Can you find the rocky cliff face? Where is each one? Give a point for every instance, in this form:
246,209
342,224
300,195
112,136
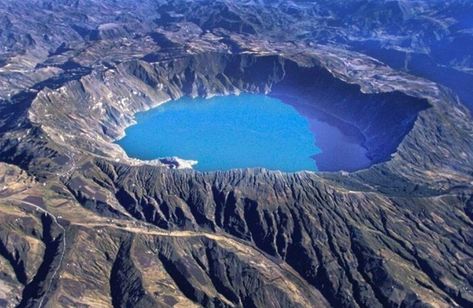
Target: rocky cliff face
84,225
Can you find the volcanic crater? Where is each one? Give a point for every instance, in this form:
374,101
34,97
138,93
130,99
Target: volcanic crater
245,236
377,121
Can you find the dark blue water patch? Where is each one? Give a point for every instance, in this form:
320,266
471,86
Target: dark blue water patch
246,131
340,142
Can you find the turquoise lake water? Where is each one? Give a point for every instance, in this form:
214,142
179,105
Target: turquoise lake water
226,132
